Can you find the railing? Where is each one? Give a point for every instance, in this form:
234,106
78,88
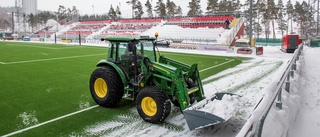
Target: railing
234,32
254,125
237,28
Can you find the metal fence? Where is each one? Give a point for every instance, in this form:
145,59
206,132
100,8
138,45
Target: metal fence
254,125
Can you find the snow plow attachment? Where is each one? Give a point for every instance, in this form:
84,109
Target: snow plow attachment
201,115
198,119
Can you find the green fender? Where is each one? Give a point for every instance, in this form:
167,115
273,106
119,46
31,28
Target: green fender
120,72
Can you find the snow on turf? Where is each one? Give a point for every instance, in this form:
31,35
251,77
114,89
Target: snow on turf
100,128
84,104
236,79
28,118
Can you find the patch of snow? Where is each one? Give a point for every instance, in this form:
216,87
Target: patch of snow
28,119
225,108
100,128
84,104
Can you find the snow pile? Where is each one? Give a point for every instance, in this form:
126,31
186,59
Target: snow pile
225,108
278,121
283,118
307,122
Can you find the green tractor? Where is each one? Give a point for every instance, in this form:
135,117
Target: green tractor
133,71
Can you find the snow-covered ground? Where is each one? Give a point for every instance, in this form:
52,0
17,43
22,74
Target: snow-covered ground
307,121
252,80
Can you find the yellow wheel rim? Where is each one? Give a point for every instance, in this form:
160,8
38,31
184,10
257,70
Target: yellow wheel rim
100,87
149,106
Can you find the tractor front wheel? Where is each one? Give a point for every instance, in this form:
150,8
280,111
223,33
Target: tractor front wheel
153,105
106,87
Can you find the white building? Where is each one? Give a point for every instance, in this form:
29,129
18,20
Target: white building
29,6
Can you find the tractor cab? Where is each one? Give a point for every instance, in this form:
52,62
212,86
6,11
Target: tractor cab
124,48
127,54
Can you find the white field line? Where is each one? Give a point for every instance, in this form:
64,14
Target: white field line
216,65
49,47
2,63
39,60
49,121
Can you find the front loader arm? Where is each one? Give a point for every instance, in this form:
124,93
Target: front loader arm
188,72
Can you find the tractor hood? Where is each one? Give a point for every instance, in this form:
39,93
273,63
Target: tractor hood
165,69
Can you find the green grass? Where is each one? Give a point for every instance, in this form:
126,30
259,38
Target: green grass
45,81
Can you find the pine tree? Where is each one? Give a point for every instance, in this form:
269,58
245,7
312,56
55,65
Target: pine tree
211,6
112,13
290,12
237,5
247,15
301,13
195,8
260,6
229,6
163,12
223,6
160,9
118,12
282,25
266,17
178,11
133,4
149,8
32,20
171,8
272,14
139,12
44,16
62,13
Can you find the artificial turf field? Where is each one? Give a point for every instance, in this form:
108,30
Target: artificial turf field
41,82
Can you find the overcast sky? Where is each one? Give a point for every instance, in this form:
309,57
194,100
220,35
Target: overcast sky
101,6
91,6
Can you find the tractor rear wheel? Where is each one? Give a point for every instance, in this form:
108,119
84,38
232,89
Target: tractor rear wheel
153,105
106,87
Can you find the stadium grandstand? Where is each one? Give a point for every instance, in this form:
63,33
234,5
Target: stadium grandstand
82,29
129,27
206,29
